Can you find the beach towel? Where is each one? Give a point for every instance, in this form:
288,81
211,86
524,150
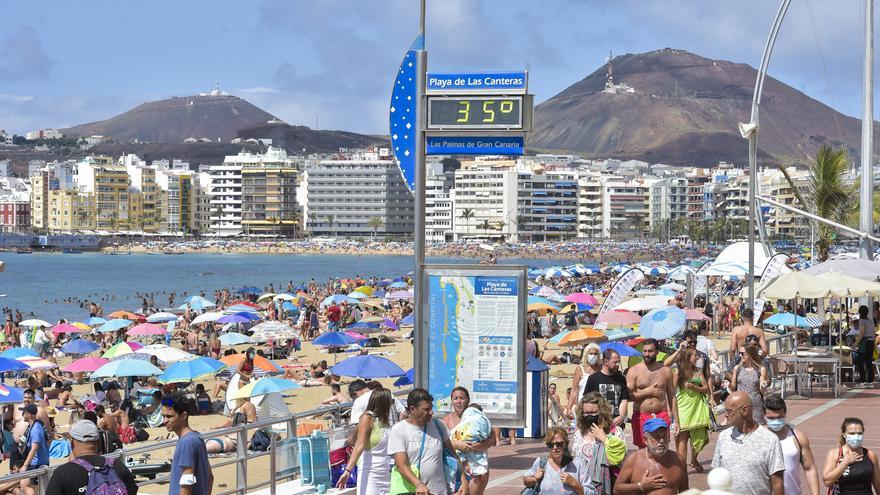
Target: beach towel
59,449
474,427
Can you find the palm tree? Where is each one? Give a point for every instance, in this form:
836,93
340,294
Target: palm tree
274,221
484,226
374,223
217,211
331,220
828,194
467,214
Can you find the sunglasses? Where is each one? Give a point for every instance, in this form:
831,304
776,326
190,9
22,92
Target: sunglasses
556,445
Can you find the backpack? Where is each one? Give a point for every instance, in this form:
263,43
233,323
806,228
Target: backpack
103,480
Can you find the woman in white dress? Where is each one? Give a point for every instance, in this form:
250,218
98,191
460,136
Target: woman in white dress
581,373
374,469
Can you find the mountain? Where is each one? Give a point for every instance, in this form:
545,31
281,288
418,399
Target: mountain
208,116
295,139
683,109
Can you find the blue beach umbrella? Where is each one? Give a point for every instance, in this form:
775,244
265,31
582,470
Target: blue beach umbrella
535,364
334,339
388,323
114,325
792,320
250,290
408,320
233,318
126,367
338,298
622,349
242,308
289,306
265,386
79,346
363,327
663,323
398,285
11,395
234,338
620,333
367,367
407,379
187,371
94,320
17,352
559,336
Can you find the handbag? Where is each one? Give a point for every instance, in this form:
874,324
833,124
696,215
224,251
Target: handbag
260,442
399,484
535,490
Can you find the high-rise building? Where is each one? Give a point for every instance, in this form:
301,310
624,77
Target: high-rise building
547,204
485,199
669,203
626,209
439,220
591,191
177,211
108,183
268,201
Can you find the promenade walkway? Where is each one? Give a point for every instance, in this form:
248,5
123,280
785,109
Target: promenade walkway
820,417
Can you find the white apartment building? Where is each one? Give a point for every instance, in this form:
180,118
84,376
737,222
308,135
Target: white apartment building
439,219
485,200
669,202
626,209
591,191
547,204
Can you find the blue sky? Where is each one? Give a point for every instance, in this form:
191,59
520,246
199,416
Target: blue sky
332,61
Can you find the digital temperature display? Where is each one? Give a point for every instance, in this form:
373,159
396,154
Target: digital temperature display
475,112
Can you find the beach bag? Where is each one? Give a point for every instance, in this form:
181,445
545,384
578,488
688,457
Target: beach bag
535,490
399,484
141,434
126,435
103,480
260,442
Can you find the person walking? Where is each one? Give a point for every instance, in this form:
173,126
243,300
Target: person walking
750,376
750,452
371,441
597,443
582,374
72,478
37,442
852,469
795,448
655,468
612,385
653,391
418,441
190,470
692,390
558,473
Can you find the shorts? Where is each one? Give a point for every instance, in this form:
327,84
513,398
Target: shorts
639,419
34,481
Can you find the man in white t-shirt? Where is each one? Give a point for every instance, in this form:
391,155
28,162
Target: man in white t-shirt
39,340
361,398
419,440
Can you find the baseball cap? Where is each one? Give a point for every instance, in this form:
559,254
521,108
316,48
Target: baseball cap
30,408
654,424
84,431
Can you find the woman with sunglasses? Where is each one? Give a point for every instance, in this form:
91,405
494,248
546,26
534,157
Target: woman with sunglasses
750,376
852,469
558,473
372,441
597,443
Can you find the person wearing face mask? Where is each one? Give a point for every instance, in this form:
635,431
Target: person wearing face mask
749,451
852,469
581,374
597,443
655,469
795,448
612,385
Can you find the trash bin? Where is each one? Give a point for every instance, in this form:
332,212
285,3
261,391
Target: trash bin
537,381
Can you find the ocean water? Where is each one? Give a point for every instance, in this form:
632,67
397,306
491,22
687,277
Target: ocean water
52,285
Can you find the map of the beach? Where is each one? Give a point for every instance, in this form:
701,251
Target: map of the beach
473,340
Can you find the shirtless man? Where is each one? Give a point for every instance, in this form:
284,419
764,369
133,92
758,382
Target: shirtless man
739,334
655,469
106,421
652,390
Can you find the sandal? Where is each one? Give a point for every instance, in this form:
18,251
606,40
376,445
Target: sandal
698,468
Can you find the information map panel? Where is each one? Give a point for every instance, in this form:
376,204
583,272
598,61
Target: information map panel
474,319
475,112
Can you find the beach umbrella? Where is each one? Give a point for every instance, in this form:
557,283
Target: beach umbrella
265,386
407,379
622,349
17,352
695,315
582,335
358,295
33,323
673,286
388,323
120,349
663,323
162,317
367,367
145,329
580,297
36,362
542,308
644,303
197,305
364,327
79,346
333,339
207,317
272,330
557,272
167,354
337,299
260,363
82,326
364,289
398,285
187,371
249,304
576,307
114,325
85,365
126,367
655,271
266,297
11,395
619,317
125,314
559,336
248,315
250,290
355,335
620,333
289,306
243,308
195,299
9,364
408,320
400,295
233,318
94,321
234,338
284,297
792,320
545,292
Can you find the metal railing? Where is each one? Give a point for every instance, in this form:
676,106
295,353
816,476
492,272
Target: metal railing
242,484
778,344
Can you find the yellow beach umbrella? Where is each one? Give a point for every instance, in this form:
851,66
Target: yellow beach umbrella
81,326
582,335
542,308
365,290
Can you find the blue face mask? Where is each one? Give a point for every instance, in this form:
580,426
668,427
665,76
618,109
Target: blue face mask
775,424
854,440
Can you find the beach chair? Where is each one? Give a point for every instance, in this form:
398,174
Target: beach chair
780,372
153,420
